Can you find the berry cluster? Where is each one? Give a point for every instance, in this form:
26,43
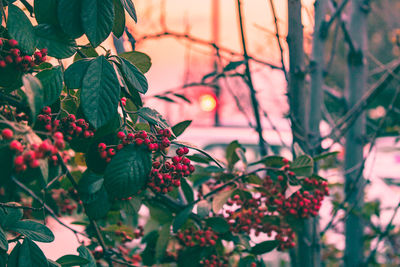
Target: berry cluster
164,177
30,155
304,203
70,126
215,261
138,233
155,143
11,55
193,237
249,215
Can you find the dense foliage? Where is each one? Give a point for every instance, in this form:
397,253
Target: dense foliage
78,141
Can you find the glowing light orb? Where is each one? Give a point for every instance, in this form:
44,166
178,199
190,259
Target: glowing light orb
208,102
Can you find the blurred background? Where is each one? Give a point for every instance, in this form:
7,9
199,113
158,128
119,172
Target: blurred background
199,73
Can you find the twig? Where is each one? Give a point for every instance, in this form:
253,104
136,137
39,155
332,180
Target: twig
278,39
5,205
326,25
249,81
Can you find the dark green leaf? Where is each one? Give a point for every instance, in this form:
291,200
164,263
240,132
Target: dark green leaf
298,151
53,263
69,16
31,255
14,256
160,213
139,59
33,230
198,158
93,195
46,11
153,117
162,241
270,161
85,253
246,261
230,153
187,190
87,51
71,260
3,240
52,83
130,8
181,218
97,19
58,45
221,198
302,165
134,79
20,28
119,19
75,73
9,216
218,224
179,128
127,172
34,93
264,247
100,92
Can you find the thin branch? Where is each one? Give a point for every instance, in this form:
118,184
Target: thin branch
326,25
278,39
5,205
250,84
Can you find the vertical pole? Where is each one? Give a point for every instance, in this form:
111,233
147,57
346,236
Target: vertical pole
215,39
356,85
315,114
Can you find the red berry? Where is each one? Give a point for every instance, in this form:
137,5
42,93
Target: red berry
9,59
120,146
121,135
58,135
111,152
18,60
46,110
16,145
2,64
7,134
43,51
102,146
12,42
38,54
34,164
19,160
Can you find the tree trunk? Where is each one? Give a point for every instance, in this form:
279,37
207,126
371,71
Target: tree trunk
356,85
298,115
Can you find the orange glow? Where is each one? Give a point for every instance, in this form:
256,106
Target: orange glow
208,102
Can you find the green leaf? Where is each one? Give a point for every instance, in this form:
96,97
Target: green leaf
20,28
203,208
325,155
264,247
231,155
139,59
187,190
85,253
93,195
9,216
198,158
153,117
69,16
218,224
246,261
14,256
179,128
31,255
53,263
97,19
52,83
33,230
221,198
75,73
181,218
160,213
302,165
34,93
71,260
134,79
58,45
100,92
3,240
130,8
270,161
46,11
87,51
128,171
119,19
162,241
